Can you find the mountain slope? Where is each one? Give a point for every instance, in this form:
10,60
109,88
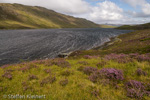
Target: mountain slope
135,27
17,16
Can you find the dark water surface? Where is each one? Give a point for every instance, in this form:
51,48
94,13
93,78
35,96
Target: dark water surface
16,45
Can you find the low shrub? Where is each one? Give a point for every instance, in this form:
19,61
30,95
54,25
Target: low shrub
48,80
140,72
7,75
63,82
89,70
32,77
107,73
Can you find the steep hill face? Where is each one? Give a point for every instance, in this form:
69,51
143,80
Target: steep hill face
136,27
17,16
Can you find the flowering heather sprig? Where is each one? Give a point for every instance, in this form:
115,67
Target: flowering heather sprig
27,67
61,63
101,64
5,66
135,89
48,62
10,70
89,70
38,61
143,58
135,84
89,57
48,80
107,73
7,75
24,69
26,86
120,58
32,77
63,82
133,55
47,70
113,56
95,92
94,77
111,73
140,72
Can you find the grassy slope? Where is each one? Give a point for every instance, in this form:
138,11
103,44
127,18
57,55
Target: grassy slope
135,27
16,16
72,83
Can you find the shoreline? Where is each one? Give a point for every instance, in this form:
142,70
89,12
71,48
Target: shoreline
106,44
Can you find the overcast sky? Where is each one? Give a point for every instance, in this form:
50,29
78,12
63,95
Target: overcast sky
98,11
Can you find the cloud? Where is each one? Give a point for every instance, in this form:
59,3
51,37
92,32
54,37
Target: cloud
63,6
135,3
106,11
145,7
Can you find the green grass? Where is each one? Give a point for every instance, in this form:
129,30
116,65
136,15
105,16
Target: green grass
79,87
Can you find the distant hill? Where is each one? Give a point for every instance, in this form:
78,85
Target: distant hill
107,26
135,27
17,16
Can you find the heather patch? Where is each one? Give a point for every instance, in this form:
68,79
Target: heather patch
95,92
32,77
63,82
89,70
135,89
48,80
27,67
24,69
112,74
125,58
143,58
38,62
107,73
7,75
26,86
120,58
113,56
90,57
48,71
5,66
61,63
140,72
101,64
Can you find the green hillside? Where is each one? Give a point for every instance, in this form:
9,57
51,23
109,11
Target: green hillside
135,27
17,16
